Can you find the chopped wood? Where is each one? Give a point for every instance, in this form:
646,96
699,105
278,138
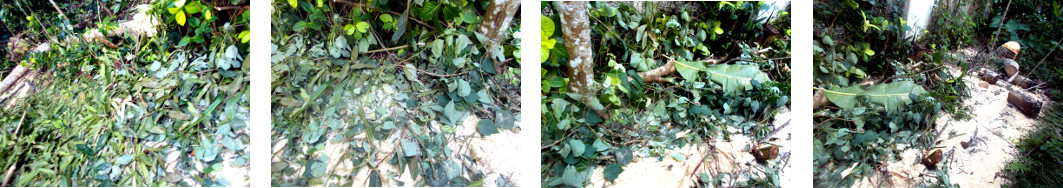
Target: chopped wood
1024,82
1024,102
1010,67
989,75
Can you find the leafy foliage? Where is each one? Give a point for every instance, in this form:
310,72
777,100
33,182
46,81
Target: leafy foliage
353,105
643,118
1040,153
883,97
108,117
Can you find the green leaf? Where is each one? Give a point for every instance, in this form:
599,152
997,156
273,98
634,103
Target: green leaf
689,69
599,146
374,179
736,78
463,88
486,127
299,26
410,148
894,96
400,26
350,28
123,160
505,119
386,18
437,48
612,171
450,112
294,3
429,11
570,177
624,155
245,36
547,26
318,169
180,17
577,146
363,27
827,40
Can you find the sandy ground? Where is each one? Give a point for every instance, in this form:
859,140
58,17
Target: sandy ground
728,157
976,150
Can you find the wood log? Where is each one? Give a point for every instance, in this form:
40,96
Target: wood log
1010,67
1024,82
989,75
1024,102
1009,50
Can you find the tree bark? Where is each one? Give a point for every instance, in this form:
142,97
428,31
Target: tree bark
496,20
575,27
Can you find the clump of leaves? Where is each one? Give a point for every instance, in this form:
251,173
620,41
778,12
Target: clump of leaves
142,114
863,123
1040,153
391,85
715,100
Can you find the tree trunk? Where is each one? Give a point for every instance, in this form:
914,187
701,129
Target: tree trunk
575,26
496,20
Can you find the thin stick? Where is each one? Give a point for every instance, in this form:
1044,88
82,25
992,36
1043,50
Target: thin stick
387,49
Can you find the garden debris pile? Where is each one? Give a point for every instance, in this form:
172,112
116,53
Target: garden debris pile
395,94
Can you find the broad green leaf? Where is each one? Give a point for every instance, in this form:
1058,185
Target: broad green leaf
577,146
350,28
463,88
486,127
294,3
374,179
386,18
180,17
437,48
624,155
123,160
599,146
299,26
429,11
410,148
894,96
450,112
547,26
736,78
400,26
505,119
612,171
689,69
570,177
363,27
